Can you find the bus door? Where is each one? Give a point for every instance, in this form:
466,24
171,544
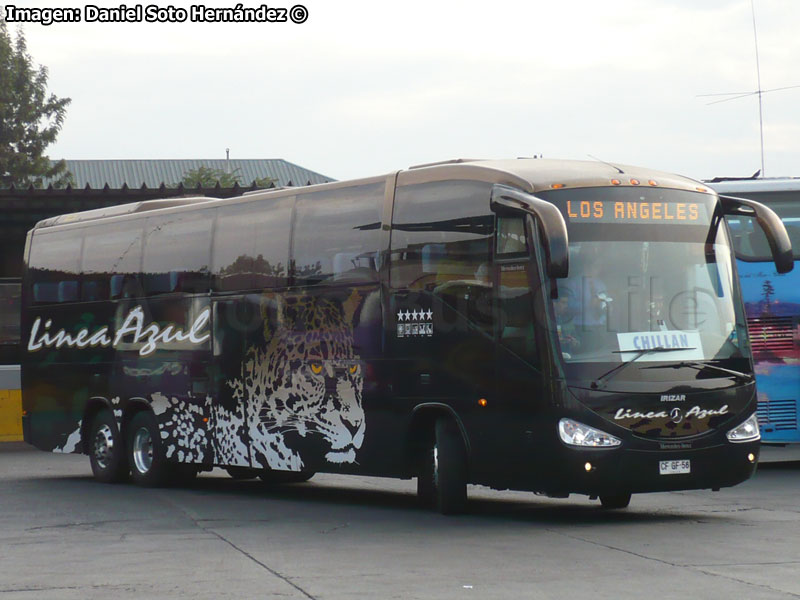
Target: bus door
519,383
439,319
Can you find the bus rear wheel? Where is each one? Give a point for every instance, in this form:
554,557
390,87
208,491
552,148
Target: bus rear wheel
449,468
615,501
106,451
242,473
149,467
278,477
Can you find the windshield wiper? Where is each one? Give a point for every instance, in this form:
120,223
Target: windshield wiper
700,366
608,375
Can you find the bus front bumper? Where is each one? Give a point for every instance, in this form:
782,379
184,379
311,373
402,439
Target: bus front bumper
598,472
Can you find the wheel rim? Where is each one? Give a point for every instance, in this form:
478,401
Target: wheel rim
103,446
142,450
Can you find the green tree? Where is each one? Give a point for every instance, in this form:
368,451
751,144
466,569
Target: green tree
30,119
206,177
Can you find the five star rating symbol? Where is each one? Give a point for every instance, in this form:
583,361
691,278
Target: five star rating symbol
415,323
415,315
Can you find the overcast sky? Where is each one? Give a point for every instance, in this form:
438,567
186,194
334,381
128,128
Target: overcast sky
368,87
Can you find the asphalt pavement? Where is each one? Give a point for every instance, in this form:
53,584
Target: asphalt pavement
63,535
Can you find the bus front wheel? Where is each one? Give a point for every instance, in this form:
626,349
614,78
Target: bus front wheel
449,468
106,451
146,456
615,501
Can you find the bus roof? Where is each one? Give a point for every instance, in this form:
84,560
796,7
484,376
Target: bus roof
539,174
768,184
116,211
528,174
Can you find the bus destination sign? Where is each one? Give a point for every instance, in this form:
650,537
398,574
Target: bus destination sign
618,211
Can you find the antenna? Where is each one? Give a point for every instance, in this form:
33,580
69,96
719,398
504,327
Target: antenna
758,92
620,171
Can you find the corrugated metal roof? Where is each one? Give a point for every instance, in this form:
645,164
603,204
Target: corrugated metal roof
152,173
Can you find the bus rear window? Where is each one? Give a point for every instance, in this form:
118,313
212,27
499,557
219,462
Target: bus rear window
55,264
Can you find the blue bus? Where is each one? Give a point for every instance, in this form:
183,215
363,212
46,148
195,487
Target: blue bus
772,303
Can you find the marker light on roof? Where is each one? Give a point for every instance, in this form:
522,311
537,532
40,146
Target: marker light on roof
557,186
653,182
634,182
615,182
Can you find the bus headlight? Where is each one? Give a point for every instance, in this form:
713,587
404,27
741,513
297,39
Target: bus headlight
746,432
578,434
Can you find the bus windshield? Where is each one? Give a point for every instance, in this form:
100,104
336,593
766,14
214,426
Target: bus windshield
749,240
649,269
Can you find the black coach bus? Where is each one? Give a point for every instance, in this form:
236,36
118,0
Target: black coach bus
554,326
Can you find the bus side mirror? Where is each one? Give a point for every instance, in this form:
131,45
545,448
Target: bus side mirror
771,224
508,200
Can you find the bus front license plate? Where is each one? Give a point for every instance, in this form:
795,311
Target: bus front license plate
674,467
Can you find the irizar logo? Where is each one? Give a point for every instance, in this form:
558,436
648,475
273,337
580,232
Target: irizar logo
694,412
673,397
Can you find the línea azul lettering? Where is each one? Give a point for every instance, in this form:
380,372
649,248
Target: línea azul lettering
133,331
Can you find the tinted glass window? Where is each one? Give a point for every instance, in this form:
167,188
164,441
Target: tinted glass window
177,252
54,262
273,230
441,232
112,259
9,313
251,245
515,310
749,240
337,235
511,235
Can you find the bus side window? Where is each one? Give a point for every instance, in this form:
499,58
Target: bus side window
234,248
511,237
441,235
273,232
177,253
251,245
112,259
517,324
55,266
337,235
